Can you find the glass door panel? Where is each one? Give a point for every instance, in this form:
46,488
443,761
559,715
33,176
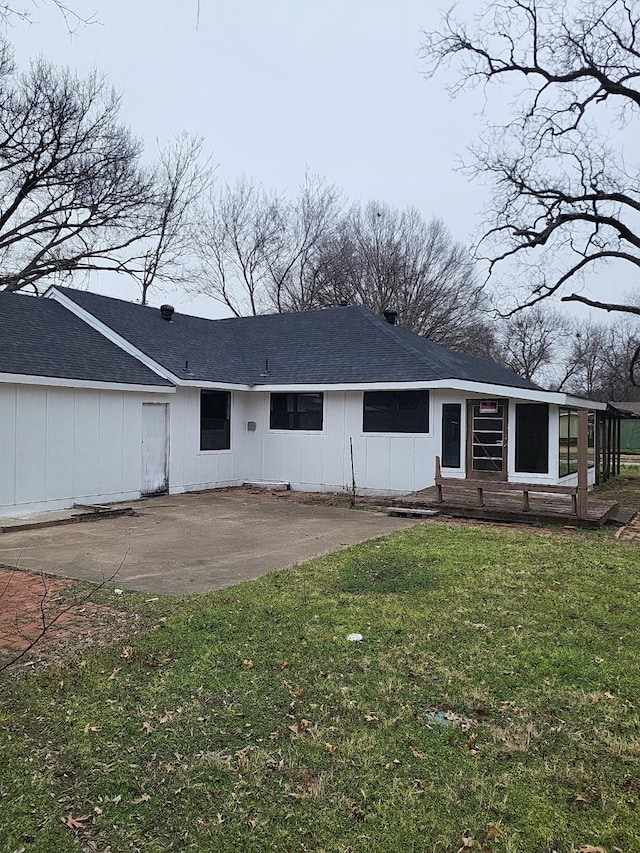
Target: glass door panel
487,437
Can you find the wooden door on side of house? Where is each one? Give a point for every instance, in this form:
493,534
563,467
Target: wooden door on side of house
487,439
155,449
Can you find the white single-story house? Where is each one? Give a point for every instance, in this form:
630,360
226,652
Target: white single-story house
102,400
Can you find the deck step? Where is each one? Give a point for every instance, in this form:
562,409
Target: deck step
411,512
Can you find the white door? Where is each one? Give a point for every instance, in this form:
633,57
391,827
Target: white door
155,474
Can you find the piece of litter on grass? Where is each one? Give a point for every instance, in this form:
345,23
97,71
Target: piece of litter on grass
149,600
354,638
118,591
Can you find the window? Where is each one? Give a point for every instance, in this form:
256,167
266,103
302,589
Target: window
451,420
568,442
568,449
296,411
591,440
396,411
215,421
532,438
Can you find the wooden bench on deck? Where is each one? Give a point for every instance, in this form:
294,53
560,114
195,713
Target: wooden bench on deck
495,486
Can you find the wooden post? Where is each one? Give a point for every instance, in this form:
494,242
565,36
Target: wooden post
438,477
583,432
598,446
618,443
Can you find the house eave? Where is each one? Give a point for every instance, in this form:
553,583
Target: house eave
90,384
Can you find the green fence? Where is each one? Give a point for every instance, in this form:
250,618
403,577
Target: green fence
630,436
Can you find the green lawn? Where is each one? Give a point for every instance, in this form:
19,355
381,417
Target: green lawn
492,705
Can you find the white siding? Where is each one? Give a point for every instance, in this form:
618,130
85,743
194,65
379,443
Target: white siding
309,460
190,468
61,446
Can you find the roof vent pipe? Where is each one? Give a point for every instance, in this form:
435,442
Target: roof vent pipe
167,312
390,315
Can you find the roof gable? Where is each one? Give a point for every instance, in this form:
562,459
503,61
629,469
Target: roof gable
39,337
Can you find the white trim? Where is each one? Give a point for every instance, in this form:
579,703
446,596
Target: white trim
55,381
110,335
205,385
478,388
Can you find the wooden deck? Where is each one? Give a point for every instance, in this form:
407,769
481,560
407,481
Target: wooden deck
544,508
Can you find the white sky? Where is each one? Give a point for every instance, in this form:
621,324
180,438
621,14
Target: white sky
278,87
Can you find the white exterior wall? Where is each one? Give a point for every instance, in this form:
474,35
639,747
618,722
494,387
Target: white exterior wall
190,468
62,446
320,460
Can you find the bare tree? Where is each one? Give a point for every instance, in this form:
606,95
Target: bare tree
256,248
566,191
310,221
11,12
181,178
532,341
75,196
383,258
596,362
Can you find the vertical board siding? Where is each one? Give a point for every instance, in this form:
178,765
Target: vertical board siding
31,444
7,444
60,443
63,445
322,460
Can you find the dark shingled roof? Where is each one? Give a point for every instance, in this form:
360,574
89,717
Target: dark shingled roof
323,347
39,337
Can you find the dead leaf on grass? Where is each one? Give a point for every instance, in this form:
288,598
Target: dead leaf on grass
589,848
493,832
143,798
89,728
417,753
466,843
371,718
75,822
147,727
300,727
247,663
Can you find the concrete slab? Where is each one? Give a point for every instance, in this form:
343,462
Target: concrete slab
194,543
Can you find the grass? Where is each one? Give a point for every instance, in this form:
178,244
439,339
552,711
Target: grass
625,488
491,706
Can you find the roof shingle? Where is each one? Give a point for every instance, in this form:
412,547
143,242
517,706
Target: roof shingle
322,347
39,337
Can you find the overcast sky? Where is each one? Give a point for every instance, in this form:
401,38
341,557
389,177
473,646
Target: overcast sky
278,87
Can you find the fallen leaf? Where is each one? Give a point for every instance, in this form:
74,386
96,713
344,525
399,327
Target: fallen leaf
371,718
126,653
471,743
75,822
467,843
300,727
147,727
493,832
589,848
417,753
89,728
97,810
164,718
285,664
247,663
331,748
143,798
